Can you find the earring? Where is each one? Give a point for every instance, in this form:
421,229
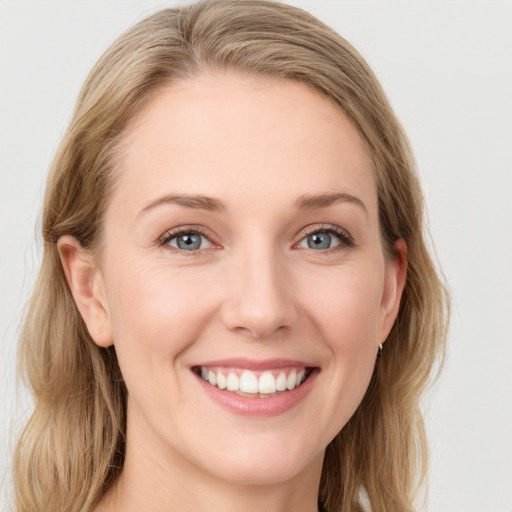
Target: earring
379,351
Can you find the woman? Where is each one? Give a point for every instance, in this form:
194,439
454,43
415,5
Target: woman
236,309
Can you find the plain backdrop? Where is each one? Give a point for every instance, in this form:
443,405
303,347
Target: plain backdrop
447,68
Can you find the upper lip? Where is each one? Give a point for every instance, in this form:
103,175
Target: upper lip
255,364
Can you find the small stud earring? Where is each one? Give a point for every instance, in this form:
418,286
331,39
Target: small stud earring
379,351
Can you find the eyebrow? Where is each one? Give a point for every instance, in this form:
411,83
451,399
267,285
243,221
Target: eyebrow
199,202
318,201
304,202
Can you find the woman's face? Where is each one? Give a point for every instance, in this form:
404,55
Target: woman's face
241,245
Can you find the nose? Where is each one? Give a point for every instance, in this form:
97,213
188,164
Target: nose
259,299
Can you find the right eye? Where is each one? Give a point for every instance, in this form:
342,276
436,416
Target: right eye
187,241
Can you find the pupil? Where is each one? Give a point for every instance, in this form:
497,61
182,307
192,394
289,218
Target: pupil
319,241
190,242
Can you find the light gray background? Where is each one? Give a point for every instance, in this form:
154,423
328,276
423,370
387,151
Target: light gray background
447,68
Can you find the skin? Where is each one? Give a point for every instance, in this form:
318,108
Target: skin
255,289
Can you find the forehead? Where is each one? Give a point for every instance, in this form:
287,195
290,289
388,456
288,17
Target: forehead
241,138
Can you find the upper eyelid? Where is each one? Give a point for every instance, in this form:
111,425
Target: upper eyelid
324,227
174,232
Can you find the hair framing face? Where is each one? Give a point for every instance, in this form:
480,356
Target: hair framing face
71,451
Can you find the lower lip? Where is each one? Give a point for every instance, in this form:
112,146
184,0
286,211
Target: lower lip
262,407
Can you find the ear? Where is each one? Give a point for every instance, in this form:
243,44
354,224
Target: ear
86,285
396,273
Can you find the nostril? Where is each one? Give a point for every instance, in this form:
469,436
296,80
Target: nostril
261,331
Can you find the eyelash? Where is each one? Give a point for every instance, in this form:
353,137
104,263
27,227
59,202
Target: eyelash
346,241
186,230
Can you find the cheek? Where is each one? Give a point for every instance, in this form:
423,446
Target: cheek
346,306
155,312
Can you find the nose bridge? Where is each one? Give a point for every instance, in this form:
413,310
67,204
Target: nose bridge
258,301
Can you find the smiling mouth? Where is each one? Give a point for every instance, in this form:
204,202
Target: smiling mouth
254,384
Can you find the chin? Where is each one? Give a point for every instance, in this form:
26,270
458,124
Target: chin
263,460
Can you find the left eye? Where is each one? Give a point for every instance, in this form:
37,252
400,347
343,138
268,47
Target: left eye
320,240
189,241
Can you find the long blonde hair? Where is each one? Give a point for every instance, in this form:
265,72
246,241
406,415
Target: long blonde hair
72,448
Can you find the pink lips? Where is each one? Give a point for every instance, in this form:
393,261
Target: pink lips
256,406
251,364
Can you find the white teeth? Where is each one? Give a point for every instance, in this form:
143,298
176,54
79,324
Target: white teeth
248,382
291,381
267,384
221,381
281,382
233,383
